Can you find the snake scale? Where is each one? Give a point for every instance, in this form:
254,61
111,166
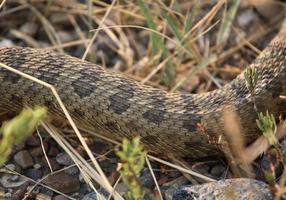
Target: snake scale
118,107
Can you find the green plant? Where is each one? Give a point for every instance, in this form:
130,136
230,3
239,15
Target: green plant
251,78
224,30
19,128
158,46
132,158
267,124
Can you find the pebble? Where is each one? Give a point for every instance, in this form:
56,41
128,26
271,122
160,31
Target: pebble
169,188
6,43
74,171
55,166
33,141
64,159
53,151
34,174
41,196
246,17
23,159
121,188
218,170
63,182
37,151
11,167
241,188
60,197
202,168
146,180
90,196
10,181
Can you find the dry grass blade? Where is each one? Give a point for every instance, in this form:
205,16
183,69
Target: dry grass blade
44,151
96,32
234,149
86,169
151,30
182,169
28,39
55,40
154,177
227,22
2,3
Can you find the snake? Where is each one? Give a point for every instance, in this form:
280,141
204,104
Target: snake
117,107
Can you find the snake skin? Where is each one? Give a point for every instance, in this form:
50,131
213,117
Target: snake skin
117,107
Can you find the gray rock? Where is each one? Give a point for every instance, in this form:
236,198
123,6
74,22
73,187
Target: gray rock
146,180
33,141
218,170
74,171
64,159
245,18
168,189
121,188
24,159
62,182
11,167
241,188
90,196
9,181
34,174
60,197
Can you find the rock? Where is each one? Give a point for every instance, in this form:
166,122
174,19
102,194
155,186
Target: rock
60,197
37,151
90,196
63,182
74,171
9,181
33,141
64,159
55,166
6,43
34,174
218,170
146,180
246,17
241,188
37,166
169,188
11,167
41,196
53,151
24,159
47,191
121,188
202,168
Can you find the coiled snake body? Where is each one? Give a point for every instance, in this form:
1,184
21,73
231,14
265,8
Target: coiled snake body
118,107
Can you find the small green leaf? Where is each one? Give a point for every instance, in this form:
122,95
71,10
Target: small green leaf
132,158
267,124
18,129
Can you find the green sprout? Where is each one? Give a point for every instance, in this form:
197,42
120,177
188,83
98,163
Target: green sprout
251,78
132,163
19,128
267,124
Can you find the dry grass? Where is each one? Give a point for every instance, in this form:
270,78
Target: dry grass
193,52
